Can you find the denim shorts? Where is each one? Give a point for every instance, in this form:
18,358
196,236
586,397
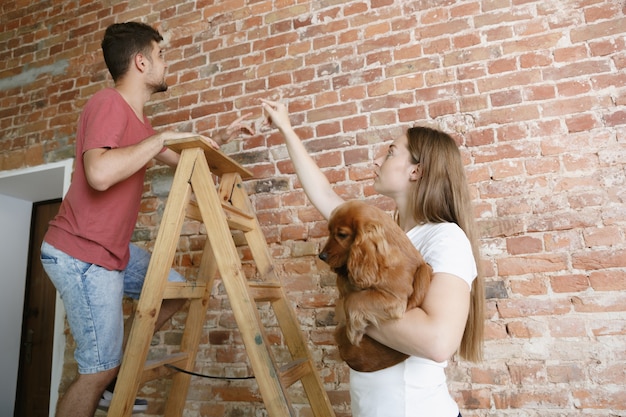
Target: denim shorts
93,297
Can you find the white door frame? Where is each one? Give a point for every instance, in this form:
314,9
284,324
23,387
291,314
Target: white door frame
19,189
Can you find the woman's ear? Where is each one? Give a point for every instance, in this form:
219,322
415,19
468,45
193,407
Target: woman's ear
416,172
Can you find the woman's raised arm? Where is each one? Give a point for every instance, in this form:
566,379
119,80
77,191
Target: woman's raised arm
314,182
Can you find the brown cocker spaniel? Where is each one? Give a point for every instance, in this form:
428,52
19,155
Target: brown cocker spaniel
380,275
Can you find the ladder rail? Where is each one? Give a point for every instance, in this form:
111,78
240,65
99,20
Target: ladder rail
191,338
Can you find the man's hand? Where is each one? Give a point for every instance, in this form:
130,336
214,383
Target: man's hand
171,158
235,129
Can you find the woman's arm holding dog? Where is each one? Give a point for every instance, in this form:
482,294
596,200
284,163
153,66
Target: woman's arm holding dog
314,182
433,330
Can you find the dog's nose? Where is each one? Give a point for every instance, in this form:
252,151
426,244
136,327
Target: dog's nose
323,256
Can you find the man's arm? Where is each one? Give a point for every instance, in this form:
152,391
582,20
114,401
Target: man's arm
105,167
168,157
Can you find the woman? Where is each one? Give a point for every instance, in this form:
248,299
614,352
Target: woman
423,173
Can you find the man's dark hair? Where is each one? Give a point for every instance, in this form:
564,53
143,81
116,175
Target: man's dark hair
122,41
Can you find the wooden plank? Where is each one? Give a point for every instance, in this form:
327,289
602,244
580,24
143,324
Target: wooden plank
219,162
237,220
190,290
155,369
294,371
263,292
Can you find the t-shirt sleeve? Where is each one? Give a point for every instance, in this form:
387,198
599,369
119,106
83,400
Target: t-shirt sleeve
447,249
104,124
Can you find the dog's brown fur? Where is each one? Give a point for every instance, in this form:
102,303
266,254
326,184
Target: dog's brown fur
380,275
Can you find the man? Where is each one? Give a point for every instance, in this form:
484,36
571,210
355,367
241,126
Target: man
86,251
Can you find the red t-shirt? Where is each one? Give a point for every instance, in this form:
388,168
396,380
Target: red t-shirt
96,226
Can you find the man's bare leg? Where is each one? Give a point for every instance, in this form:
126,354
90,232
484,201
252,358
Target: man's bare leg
81,398
168,308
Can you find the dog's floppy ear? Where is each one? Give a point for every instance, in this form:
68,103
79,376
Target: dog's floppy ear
367,254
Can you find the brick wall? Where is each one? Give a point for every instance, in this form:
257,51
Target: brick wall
534,91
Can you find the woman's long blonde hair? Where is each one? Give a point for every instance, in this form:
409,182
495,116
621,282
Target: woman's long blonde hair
442,195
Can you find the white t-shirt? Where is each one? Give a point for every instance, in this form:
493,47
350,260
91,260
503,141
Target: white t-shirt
417,387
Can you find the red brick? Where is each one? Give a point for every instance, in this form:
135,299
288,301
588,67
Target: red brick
604,47
569,283
502,65
528,287
527,329
326,129
601,259
582,123
603,302
532,307
608,280
524,244
495,331
600,398
332,112
616,118
534,59
531,399
567,327
598,30
490,375
565,373
523,374
475,399
571,54
296,232
605,236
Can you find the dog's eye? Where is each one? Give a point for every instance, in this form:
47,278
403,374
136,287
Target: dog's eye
342,235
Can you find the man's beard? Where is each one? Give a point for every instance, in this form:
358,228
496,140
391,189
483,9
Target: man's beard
159,88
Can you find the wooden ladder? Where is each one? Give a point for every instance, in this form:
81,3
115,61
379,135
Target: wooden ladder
221,209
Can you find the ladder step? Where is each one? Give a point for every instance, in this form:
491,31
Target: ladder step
155,369
265,291
190,289
220,163
294,371
236,218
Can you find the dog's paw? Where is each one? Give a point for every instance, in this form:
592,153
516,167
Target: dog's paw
354,337
355,333
394,310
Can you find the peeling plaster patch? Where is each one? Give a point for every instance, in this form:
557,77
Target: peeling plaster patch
28,75
459,123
